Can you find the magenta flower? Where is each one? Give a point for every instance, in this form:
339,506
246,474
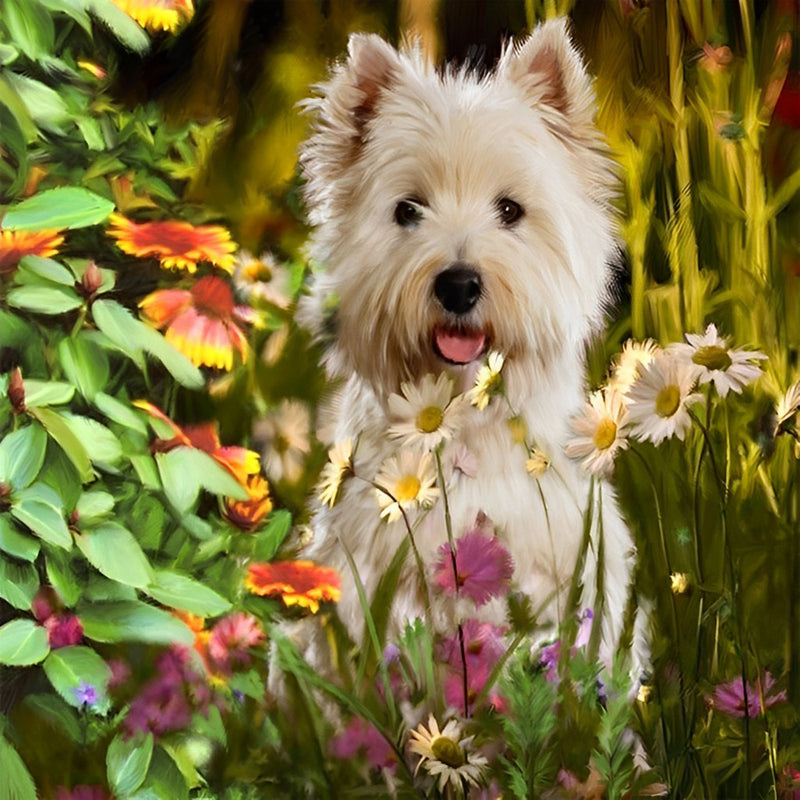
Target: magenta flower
729,698
483,568
231,640
362,738
81,792
63,630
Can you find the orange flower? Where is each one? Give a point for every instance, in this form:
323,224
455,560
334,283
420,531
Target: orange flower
299,583
158,15
239,461
246,514
16,244
200,321
178,245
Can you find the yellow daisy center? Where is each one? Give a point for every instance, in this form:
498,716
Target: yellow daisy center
447,751
605,433
667,401
257,271
429,419
280,444
712,357
407,488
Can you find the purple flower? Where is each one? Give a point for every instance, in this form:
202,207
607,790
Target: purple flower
549,660
483,645
362,738
729,698
483,568
85,693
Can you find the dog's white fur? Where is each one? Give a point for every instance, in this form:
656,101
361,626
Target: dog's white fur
388,126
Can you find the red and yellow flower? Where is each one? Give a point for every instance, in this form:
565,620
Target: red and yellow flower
247,514
201,321
176,244
16,244
239,461
158,15
297,583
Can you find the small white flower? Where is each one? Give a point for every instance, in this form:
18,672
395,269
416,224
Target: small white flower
284,438
427,414
714,362
600,435
488,381
262,279
788,405
339,467
657,402
406,480
633,356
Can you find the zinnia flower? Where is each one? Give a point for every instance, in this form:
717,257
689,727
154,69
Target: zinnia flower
446,755
599,431
16,244
177,245
200,322
729,698
483,568
714,362
247,514
239,461
298,583
262,279
633,356
284,439
339,466
488,381
158,15
425,415
406,481
231,639
363,738
657,402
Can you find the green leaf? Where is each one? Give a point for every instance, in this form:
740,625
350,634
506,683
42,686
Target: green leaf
114,551
45,269
17,783
47,393
62,577
128,32
119,412
22,643
22,455
45,106
44,299
61,432
18,583
93,506
102,447
17,544
164,780
9,97
127,762
70,668
186,470
59,208
55,712
271,537
132,336
132,621
30,27
39,508
180,591
85,364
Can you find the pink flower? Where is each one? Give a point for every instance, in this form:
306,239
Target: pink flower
362,738
483,568
81,792
231,639
63,630
729,698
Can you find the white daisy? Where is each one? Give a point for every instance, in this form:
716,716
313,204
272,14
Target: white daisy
626,365
427,414
446,755
339,467
788,405
599,431
262,279
714,362
488,381
657,402
406,480
284,439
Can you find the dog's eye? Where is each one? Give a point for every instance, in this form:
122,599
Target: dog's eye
407,213
509,211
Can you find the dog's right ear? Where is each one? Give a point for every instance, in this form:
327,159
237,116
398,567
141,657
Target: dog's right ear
343,109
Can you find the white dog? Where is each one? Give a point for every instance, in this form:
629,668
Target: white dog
456,215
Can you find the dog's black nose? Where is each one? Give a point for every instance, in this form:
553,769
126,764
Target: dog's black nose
458,288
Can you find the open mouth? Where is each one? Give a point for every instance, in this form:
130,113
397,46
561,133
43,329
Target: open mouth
459,345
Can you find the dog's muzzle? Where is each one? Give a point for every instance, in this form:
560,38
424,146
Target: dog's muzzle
458,288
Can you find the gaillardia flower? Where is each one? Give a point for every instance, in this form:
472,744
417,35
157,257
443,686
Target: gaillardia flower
176,244
158,15
201,321
297,583
16,244
247,514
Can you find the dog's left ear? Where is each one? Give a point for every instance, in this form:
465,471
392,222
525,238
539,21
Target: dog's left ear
550,72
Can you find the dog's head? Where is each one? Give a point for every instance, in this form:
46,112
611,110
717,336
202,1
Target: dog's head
456,213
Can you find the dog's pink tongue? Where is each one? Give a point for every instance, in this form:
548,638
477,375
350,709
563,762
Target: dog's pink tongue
460,347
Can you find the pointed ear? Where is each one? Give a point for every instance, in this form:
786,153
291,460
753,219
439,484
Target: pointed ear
372,65
549,71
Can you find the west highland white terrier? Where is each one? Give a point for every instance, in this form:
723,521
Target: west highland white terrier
459,217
